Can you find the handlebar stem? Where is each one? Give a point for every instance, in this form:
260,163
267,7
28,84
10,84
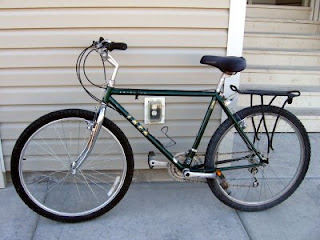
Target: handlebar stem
113,62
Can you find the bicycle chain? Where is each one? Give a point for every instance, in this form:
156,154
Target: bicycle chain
249,186
238,185
233,153
177,176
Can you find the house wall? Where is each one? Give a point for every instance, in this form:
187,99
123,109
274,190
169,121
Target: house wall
282,48
40,41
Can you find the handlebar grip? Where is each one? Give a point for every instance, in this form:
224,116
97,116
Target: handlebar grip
117,45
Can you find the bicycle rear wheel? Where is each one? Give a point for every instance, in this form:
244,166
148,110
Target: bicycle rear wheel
41,166
259,188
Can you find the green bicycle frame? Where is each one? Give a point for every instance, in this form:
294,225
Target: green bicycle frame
215,97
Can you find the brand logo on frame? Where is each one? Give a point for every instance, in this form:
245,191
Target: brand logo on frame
138,125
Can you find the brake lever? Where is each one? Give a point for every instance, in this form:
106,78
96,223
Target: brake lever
101,48
101,44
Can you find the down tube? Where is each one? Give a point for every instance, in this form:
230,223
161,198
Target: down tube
145,133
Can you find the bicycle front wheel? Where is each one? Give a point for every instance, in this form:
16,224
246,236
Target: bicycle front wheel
41,166
280,137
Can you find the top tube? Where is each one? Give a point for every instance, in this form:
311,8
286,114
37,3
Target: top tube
157,92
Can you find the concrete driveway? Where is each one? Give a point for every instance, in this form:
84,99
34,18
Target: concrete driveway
168,211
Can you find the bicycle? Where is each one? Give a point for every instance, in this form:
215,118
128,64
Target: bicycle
73,165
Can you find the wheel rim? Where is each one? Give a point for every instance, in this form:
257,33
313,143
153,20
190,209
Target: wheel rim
276,178
45,161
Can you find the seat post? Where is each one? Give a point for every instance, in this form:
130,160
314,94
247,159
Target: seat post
221,82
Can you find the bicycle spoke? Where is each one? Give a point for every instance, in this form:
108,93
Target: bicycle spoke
78,150
91,163
45,177
63,144
97,183
52,152
61,181
75,181
96,178
47,151
104,174
89,186
276,175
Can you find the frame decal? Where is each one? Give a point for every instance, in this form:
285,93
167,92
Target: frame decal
138,125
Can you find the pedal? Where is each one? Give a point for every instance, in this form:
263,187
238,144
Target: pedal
154,163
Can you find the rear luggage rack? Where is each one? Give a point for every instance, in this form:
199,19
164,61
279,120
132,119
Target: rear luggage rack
289,94
261,93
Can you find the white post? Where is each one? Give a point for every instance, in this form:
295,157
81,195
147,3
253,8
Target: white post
237,18
2,169
305,3
312,2
316,13
315,10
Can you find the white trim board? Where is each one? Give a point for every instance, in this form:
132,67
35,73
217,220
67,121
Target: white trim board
237,17
2,169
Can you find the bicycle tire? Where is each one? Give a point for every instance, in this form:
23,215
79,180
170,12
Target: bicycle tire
42,195
240,190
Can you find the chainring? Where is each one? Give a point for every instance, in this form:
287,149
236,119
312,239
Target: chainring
176,174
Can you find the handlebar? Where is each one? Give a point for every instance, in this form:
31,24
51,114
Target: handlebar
117,45
105,44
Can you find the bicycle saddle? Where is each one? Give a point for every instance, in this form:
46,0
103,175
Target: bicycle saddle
225,64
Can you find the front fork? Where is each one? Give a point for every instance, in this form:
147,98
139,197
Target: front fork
95,129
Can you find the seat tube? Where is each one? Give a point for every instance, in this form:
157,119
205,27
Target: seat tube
203,127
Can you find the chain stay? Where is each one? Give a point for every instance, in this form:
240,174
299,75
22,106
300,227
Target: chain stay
177,177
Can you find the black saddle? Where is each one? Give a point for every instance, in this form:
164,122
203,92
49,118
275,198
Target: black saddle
229,65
